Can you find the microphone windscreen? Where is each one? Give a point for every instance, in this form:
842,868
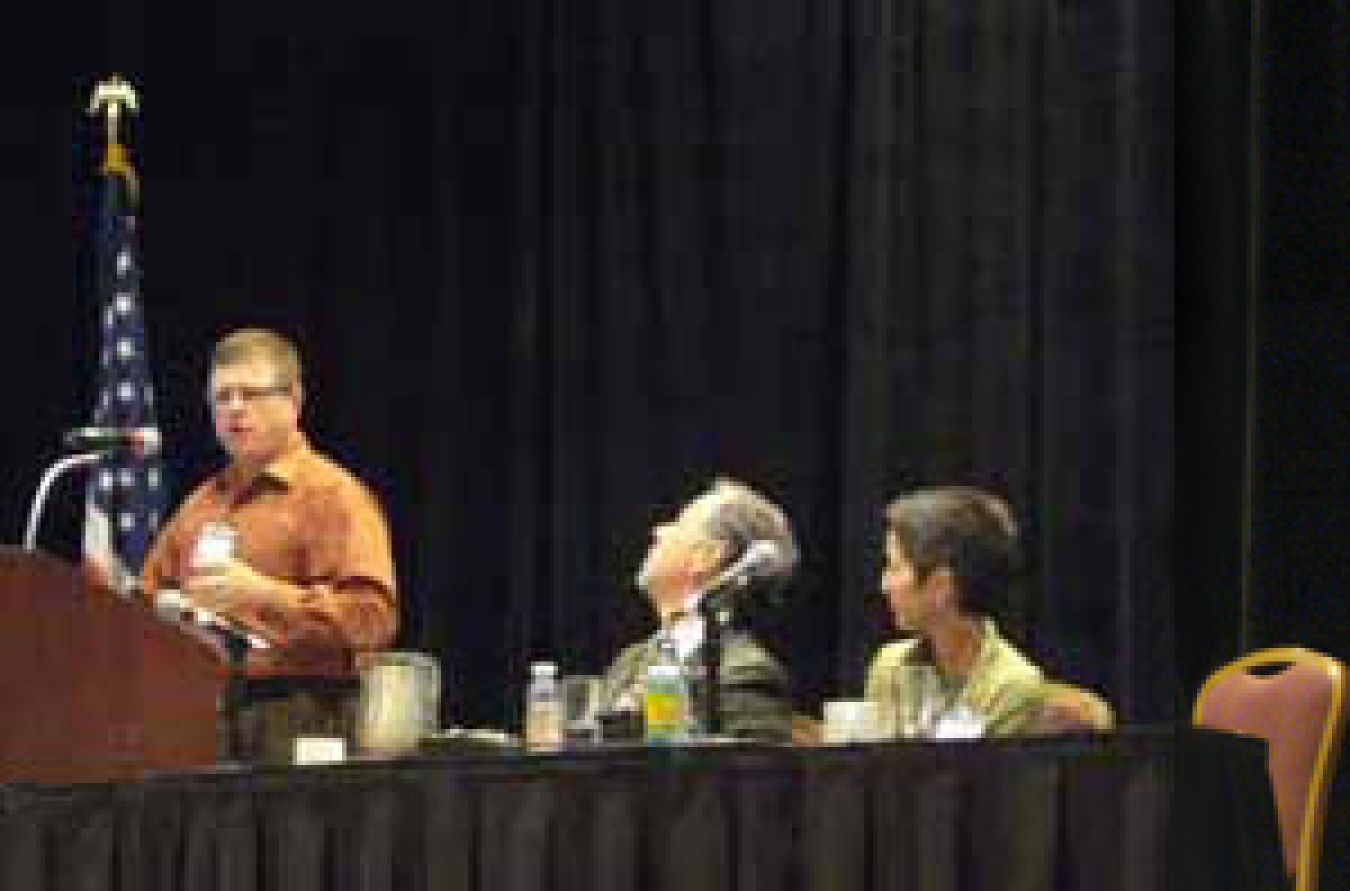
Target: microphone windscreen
145,442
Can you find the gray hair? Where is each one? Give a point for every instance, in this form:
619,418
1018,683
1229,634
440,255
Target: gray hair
743,516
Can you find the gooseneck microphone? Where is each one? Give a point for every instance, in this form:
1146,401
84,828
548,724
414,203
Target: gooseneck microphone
759,555
141,442
715,604
89,445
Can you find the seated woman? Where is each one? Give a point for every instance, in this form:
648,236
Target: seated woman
951,557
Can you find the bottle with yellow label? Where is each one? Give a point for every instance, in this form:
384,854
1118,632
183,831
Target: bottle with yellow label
665,703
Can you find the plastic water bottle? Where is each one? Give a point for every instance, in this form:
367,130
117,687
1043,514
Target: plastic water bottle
543,708
666,706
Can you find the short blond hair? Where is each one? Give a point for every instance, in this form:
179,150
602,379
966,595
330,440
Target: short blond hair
258,343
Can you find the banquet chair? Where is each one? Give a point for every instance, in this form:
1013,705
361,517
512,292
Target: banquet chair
1294,698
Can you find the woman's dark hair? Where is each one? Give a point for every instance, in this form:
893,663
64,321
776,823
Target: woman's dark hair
968,531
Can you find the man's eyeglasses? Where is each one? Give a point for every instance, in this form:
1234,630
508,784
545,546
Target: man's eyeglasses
244,395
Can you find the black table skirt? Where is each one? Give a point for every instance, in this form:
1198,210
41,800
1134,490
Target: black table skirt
1145,810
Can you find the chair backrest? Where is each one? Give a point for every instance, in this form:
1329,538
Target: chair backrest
1068,707
1294,698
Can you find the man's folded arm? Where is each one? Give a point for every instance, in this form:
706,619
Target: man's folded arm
356,613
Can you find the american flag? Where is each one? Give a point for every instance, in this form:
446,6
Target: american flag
125,498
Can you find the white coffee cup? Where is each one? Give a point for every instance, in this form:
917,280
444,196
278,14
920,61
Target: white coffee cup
851,721
320,749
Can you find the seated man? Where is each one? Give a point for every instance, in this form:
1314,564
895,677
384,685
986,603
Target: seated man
686,554
951,556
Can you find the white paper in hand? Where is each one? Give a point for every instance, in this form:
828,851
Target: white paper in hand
213,547
170,602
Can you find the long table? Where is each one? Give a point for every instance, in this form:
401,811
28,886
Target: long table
1143,809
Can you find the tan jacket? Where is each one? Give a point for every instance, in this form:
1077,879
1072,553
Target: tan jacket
1004,689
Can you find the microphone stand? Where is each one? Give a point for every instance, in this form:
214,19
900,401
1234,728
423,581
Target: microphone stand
235,695
49,477
715,608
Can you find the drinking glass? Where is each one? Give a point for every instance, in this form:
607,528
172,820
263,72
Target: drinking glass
580,694
921,705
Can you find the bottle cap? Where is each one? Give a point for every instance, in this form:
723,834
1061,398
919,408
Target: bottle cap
544,669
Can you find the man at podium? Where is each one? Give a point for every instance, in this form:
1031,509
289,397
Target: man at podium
283,556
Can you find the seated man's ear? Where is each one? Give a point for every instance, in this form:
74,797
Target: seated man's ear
708,558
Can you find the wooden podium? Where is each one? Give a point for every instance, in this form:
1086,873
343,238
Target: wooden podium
92,686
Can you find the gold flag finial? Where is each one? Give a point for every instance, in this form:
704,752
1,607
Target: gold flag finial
110,97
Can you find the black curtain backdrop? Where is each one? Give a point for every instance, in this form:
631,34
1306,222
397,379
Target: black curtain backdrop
1269,129
1301,486
555,264
1212,608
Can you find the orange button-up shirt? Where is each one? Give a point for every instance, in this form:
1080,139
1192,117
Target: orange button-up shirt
306,521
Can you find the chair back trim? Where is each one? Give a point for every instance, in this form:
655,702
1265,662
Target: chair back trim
1314,811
